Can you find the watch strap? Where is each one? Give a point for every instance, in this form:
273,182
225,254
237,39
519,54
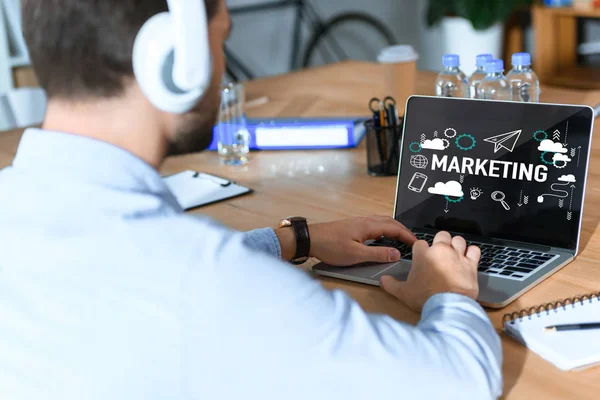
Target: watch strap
300,227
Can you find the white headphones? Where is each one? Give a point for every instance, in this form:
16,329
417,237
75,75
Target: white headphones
171,56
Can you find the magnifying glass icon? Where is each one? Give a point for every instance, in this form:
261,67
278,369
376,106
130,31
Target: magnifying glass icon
500,196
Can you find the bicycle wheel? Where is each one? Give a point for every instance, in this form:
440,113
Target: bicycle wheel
355,36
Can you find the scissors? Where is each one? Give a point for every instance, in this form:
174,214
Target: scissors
385,115
375,103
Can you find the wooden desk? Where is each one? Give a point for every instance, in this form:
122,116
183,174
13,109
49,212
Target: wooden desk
328,185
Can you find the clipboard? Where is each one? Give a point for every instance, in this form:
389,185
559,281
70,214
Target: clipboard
194,189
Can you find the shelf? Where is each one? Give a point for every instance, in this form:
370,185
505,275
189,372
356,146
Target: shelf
572,12
576,78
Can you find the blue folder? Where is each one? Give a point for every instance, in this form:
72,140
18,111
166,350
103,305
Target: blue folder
301,133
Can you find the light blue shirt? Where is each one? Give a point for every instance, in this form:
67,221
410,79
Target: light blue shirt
109,291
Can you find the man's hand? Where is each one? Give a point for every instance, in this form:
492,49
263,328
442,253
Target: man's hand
445,267
340,243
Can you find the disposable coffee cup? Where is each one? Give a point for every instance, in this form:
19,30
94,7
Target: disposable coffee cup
399,73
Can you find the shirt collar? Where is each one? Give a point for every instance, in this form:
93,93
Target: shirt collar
93,161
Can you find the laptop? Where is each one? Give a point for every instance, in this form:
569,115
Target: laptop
508,177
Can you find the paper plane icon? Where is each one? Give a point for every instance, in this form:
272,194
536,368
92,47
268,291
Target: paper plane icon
506,141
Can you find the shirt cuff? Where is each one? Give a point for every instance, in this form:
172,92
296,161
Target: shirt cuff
264,240
451,300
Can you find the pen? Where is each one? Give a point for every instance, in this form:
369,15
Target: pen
572,327
392,110
394,122
377,129
376,120
383,132
391,115
396,145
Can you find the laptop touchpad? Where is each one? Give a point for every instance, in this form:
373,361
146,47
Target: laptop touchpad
398,270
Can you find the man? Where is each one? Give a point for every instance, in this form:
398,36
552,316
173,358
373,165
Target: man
108,291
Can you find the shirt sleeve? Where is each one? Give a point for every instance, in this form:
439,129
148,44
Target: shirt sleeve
274,330
264,240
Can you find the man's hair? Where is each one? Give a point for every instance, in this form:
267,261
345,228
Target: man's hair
83,48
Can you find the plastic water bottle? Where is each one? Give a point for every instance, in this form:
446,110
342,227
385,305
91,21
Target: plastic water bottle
495,85
524,83
479,74
451,82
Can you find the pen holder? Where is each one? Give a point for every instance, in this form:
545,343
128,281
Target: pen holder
383,149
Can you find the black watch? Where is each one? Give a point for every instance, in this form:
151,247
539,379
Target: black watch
300,227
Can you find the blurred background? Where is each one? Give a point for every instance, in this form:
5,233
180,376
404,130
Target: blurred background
273,37
262,38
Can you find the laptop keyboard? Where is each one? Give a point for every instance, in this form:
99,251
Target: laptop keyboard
499,261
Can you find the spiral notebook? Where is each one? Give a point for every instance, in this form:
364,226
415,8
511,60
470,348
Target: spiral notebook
193,189
569,350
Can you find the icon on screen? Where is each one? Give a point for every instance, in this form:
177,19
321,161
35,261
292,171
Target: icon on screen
450,133
419,161
417,183
506,141
449,189
436,144
475,193
500,197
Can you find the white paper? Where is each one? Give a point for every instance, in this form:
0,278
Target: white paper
194,190
568,349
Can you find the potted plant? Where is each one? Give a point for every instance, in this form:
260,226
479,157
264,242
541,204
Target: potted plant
471,27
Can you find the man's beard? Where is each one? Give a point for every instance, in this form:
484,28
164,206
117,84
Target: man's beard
193,135
194,130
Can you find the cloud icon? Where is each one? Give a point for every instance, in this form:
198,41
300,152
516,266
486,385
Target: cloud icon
561,157
568,178
452,189
551,147
435,144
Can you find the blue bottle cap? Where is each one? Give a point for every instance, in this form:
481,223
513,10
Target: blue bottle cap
483,59
494,66
451,60
521,59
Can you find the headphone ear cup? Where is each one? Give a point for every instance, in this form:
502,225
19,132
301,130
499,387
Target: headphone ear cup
153,58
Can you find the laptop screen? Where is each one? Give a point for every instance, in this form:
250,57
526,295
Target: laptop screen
513,171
